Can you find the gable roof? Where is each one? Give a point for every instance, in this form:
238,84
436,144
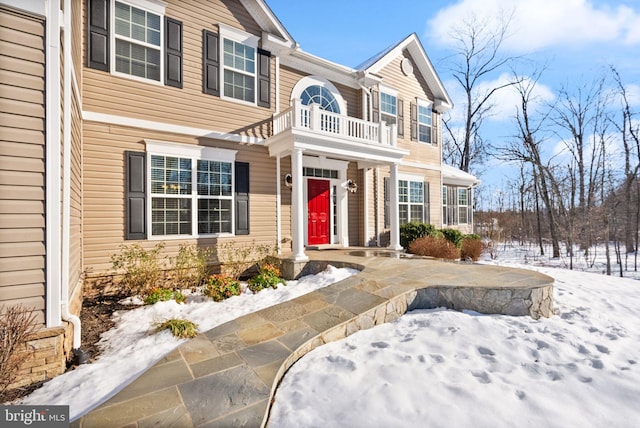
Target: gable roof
423,64
267,20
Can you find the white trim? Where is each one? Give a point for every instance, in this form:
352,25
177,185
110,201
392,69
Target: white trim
307,81
156,6
161,148
342,202
238,36
231,33
186,150
410,177
365,189
388,90
37,7
168,127
153,6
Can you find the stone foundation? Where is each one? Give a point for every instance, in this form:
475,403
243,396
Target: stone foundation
47,350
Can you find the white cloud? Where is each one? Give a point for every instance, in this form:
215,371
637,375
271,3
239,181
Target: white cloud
505,101
545,23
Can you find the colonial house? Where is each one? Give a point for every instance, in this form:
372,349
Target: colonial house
199,122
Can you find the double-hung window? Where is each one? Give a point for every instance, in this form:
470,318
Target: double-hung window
238,64
413,200
424,122
455,205
389,106
463,205
138,41
191,190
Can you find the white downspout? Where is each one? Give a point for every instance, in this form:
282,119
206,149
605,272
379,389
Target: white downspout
66,180
52,165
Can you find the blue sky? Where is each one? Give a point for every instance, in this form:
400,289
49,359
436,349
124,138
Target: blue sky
576,40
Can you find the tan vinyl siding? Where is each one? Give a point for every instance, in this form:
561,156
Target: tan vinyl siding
75,226
189,106
355,206
409,88
103,191
22,166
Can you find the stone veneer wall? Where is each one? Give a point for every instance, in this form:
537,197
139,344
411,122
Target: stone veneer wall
532,301
47,351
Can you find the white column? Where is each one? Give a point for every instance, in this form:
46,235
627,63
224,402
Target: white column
394,209
297,206
278,206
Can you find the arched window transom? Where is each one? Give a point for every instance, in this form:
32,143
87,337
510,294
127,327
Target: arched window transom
316,94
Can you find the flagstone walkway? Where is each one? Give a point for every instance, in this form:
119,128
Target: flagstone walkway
227,376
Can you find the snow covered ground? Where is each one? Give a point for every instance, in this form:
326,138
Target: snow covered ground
130,348
435,368
441,368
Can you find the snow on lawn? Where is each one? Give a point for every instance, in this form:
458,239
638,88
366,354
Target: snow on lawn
442,368
130,348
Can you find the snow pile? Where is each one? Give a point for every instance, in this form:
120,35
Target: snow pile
129,348
440,368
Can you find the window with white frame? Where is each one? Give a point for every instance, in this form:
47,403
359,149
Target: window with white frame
238,64
413,201
455,205
463,205
138,41
424,122
192,193
389,107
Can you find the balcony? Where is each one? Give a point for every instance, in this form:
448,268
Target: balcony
322,132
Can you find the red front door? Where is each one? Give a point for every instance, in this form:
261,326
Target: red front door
318,207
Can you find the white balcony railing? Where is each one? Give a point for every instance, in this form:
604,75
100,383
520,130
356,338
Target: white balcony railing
314,119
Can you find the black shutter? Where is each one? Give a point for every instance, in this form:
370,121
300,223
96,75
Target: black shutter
211,63
400,118
264,78
173,52
435,120
242,198
375,106
414,122
98,34
426,218
135,195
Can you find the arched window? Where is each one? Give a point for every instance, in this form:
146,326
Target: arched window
318,90
316,94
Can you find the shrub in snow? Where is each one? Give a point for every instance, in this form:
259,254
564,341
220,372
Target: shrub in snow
190,267
140,268
16,323
221,286
158,294
471,249
183,329
434,247
269,276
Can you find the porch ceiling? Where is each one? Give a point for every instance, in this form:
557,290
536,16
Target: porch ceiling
313,143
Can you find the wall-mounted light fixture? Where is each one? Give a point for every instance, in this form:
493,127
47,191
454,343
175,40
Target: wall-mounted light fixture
351,186
288,180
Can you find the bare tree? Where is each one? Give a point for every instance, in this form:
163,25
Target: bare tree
578,115
630,137
527,148
477,56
